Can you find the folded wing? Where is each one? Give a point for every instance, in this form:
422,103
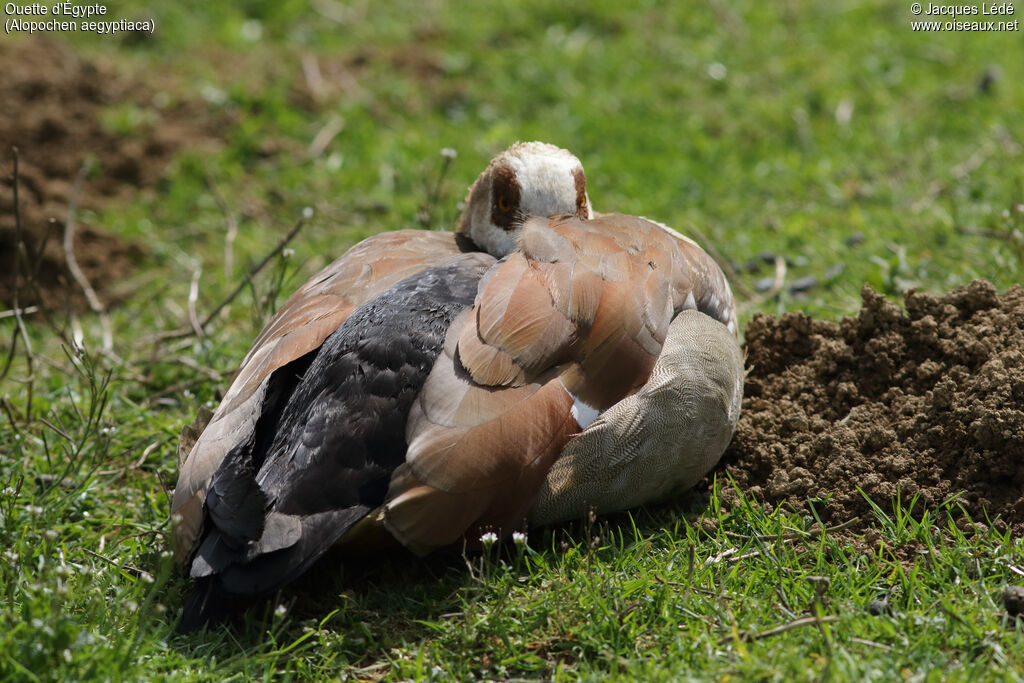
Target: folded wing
322,458
573,320
299,328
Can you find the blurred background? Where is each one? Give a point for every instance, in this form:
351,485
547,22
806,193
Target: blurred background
812,147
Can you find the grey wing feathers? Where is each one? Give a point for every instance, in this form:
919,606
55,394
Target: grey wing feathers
662,439
325,445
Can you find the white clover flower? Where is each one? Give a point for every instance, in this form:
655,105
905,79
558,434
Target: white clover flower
66,654
131,605
287,252
34,509
519,538
489,539
280,611
51,535
449,153
307,212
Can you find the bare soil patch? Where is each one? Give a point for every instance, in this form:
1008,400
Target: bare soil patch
54,107
925,401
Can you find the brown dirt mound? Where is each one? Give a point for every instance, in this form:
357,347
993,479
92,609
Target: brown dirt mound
54,105
928,402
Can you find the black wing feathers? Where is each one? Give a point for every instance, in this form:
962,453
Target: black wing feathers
331,432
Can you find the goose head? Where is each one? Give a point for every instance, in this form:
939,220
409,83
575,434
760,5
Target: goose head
527,179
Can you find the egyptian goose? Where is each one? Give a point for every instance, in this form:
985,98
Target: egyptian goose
422,394
528,178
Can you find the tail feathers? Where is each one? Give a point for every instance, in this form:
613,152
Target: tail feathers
217,552
235,501
226,577
268,571
208,605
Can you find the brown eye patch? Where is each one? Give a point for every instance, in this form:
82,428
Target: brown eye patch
581,192
506,193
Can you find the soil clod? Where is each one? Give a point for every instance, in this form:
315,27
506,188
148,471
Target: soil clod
920,403
62,111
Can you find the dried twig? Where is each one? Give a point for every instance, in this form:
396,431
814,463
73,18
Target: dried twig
189,331
27,310
1012,235
22,330
175,389
749,636
314,79
34,262
232,232
147,451
306,214
11,349
732,557
730,553
724,555
193,295
871,643
323,138
131,569
777,285
448,156
215,375
958,172
76,272
6,408
57,430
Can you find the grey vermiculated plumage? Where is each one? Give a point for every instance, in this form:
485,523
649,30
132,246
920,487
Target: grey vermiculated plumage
660,440
330,436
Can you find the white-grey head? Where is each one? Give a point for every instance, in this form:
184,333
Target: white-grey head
527,179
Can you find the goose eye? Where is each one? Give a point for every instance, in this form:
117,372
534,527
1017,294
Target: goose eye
505,198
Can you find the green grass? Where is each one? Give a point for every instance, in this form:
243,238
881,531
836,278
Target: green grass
781,127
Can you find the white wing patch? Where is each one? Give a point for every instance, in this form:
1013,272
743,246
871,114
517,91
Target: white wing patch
581,412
